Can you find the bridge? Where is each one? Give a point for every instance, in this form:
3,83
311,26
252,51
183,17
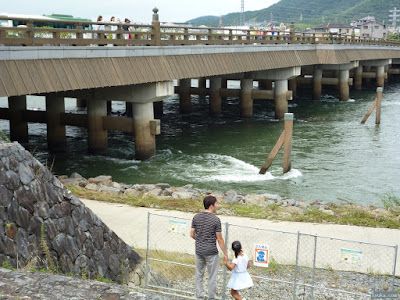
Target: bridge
138,64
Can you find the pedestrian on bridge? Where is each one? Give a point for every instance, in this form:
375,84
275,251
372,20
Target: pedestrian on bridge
206,231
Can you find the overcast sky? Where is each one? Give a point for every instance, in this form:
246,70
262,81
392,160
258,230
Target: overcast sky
136,11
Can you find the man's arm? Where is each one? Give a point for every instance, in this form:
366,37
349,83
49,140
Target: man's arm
193,233
221,244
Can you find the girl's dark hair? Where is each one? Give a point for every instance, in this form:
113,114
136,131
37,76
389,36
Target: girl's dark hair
236,247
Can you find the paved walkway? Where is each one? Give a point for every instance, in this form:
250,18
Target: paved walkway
130,223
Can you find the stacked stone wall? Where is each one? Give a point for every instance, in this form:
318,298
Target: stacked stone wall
33,200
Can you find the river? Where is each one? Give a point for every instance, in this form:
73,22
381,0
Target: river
334,157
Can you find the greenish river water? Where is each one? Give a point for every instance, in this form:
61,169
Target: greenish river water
333,155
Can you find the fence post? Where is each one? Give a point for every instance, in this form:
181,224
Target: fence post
379,91
156,28
225,269
295,267
394,266
314,263
287,144
147,250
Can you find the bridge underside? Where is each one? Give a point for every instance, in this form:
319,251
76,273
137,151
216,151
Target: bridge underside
42,76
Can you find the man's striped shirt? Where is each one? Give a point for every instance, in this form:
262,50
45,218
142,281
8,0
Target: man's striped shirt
206,226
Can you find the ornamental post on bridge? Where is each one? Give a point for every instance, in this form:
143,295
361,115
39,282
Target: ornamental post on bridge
156,31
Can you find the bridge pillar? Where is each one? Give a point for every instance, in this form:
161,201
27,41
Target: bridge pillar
185,99
215,95
317,83
158,108
202,82
293,87
56,137
265,84
18,127
246,100
128,109
80,102
358,78
380,76
145,141
280,95
97,136
344,85
380,65
224,85
280,78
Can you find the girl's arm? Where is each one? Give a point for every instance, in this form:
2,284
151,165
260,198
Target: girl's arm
248,264
230,267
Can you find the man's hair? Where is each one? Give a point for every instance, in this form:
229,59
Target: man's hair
208,201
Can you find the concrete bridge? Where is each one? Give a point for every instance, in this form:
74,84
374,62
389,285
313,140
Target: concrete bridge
143,75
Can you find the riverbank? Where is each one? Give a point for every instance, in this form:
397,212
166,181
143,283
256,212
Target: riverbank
232,203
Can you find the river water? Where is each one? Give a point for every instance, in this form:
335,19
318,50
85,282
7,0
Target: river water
334,157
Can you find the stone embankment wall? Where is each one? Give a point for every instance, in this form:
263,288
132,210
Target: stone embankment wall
77,241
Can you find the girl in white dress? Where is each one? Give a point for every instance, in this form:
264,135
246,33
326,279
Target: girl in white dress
240,278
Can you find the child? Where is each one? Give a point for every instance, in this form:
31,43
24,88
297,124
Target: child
240,278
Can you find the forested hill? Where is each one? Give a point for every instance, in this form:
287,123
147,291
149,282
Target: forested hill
311,12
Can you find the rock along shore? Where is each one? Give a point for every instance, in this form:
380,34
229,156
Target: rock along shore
104,183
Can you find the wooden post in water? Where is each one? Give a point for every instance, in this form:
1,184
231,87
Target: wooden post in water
379,91
287,145
284,140
377,104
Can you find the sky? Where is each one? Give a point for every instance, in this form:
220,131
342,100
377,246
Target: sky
136,11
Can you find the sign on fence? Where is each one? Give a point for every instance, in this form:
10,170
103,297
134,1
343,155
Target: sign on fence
261,255
351,257
177,227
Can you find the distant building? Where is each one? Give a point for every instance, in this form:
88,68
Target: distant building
368,28
335,28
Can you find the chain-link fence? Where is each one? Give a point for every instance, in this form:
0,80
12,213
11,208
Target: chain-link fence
300,266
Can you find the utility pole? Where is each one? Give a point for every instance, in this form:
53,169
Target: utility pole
242,14
394,16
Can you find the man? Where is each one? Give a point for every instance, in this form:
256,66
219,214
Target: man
206,230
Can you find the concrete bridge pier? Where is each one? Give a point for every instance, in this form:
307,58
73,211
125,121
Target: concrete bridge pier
185,99
56,135
246,99
224,85
81,102
215,95
379,65
18,127
97,135
145,142
317,83
202,82
357,83
281,91
293,87
158,108
344,85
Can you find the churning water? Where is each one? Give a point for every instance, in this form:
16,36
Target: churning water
334,156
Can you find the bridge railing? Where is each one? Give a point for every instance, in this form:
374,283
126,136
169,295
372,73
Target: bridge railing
37,32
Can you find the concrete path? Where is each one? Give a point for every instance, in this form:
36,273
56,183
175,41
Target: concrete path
130,223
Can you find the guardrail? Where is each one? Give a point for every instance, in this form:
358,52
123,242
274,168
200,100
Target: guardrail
34,32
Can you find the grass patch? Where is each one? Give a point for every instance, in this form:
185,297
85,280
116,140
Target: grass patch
344,214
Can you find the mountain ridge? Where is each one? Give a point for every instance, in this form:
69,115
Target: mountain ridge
310,12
